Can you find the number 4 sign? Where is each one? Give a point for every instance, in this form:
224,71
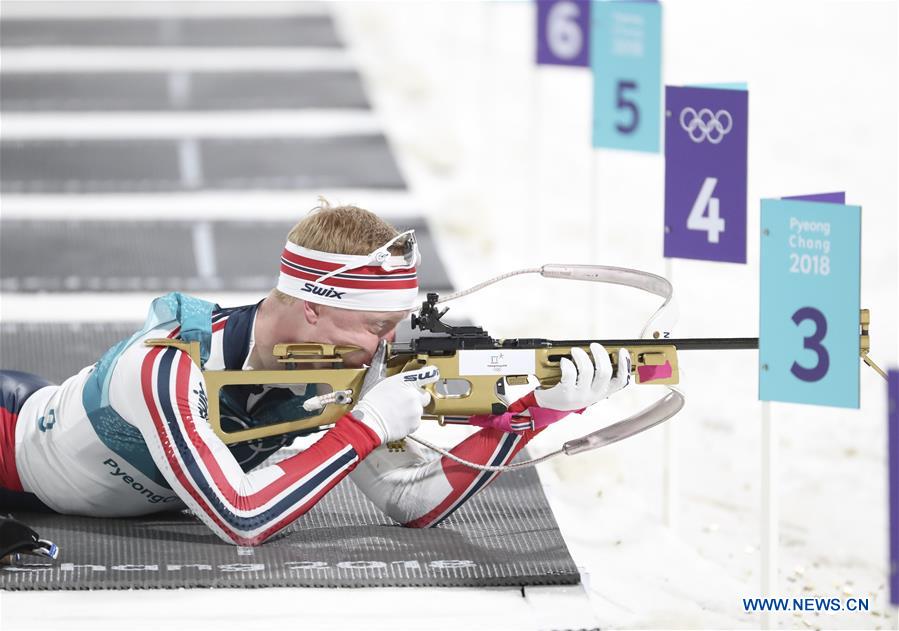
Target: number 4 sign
810,301
705,173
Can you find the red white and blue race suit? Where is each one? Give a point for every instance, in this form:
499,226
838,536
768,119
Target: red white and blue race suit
129,436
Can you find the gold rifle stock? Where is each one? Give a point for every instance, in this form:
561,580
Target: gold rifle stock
655,364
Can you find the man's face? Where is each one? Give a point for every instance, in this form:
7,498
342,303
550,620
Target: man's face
364,329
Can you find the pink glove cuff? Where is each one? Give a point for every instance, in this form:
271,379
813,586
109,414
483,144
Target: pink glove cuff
541,416
507,422
514,422
545,416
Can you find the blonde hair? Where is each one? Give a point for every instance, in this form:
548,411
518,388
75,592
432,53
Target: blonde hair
340,230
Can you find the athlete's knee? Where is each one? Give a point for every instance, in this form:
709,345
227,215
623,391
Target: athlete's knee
16,386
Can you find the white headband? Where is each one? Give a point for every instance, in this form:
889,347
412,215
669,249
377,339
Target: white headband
373,282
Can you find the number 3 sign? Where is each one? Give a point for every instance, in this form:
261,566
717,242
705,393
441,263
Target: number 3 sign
563,32
810,297
705,173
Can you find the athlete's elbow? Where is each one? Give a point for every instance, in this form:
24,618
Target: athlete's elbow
425,521
244,539
411,511
237,538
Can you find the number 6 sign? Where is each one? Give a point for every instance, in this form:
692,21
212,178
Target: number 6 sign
705,173
563,32
809,305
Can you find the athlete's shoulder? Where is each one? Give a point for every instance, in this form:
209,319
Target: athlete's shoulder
138,358
232,330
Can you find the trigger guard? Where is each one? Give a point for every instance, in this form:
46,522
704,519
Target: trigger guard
508,394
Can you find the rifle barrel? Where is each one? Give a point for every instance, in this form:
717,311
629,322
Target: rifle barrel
685,344
442,345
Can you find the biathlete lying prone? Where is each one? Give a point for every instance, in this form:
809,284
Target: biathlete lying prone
128,435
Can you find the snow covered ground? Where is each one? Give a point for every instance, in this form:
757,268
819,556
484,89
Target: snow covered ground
498,153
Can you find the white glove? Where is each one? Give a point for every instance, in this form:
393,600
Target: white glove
584,385
392,408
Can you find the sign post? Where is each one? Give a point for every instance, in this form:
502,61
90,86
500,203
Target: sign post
562,40
893,484
808,327
705,198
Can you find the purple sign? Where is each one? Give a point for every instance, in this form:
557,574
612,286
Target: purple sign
705,173
893,457
827,198
563,32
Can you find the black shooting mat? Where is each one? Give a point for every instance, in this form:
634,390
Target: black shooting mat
154,165
244,31
207,91
160,256
506,535
58,350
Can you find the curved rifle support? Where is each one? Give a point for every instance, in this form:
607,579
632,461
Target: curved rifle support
658,412
660,323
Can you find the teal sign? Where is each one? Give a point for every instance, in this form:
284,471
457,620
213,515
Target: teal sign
810,301
626,58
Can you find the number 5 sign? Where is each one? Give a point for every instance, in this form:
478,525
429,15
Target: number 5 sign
626,57
810,297
705,173
563,32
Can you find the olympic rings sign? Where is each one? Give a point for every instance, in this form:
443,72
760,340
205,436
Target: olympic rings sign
705,124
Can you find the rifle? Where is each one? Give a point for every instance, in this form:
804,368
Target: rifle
478,371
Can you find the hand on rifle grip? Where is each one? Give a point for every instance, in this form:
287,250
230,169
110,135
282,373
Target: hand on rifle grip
583,383
392,407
